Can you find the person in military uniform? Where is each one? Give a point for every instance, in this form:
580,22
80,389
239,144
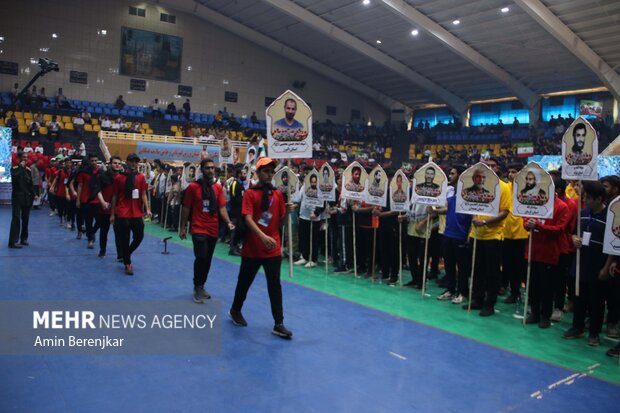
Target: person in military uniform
23,194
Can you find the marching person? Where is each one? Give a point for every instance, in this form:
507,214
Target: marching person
263,211
21,201
127,203
204,200
105,202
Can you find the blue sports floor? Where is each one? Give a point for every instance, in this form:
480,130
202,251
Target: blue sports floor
343,358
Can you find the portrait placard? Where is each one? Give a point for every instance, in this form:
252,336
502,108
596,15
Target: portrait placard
282,178
377,187
611,241
478,191
289,127
327,183
226,150
580,151
533,193
311,189
430,185
354,180
399,192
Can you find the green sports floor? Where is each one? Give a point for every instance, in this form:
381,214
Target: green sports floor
502,330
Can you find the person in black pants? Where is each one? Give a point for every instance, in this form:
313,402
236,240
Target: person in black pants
87,196
236,192
388,245
206,202
21,201
106,185
264,211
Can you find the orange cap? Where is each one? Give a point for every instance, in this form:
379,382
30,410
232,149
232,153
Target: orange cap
264,162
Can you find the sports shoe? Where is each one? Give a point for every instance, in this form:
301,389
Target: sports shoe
511,299
614,352
594,341
457,299
281,331
234,252
119,259
487,311
101,254
68,226
544,322
557,315
128,269
202,292
572,333
612,331
340,270
79,235
237,318
301,261
445,296
532,319
52,213
91,245
568,307
198,299
310,264
392,283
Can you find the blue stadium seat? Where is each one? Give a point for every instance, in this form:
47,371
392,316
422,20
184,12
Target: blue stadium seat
115,112
139,114
131,113
97,110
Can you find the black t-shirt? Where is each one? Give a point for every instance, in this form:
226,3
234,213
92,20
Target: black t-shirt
592,256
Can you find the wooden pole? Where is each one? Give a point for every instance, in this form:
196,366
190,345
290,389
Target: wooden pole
354,248
310,258
326,239
374,248
426,236
527,279
400,253
578,253
290,226
473,266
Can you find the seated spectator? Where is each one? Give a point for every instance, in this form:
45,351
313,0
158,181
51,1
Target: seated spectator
61,100
171,109
33,130
27,148
122,125
87,116
135,128
39,118
71,152
253,118
78,126
42,98
15,91
82,148
225,115
218,119
232,122
106,124
53,128
14,125
39,149
120,103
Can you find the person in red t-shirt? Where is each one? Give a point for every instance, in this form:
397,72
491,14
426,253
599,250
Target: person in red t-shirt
59,187
263,211
86,202
106,185
126,214
50,172
205,199
547,237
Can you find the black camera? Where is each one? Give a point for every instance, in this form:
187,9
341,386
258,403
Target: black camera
48,65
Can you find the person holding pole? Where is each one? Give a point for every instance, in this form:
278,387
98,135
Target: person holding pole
546,250
205,199
237,188
363,233
489,237
594,266
263,211
416,240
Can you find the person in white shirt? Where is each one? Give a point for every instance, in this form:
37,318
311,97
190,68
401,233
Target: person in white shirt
106,124
78,126
82,148
28,148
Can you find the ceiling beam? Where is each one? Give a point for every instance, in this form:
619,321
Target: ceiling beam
328,29
230,25
550,22
421,21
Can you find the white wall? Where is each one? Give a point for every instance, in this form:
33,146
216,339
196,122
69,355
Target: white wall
214,55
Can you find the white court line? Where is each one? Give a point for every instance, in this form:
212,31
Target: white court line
398,356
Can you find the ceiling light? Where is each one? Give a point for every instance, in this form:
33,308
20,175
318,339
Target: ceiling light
378,41
505,10
104,32
189,68
456,22
366,2
44,49
54,36
415,32
1,39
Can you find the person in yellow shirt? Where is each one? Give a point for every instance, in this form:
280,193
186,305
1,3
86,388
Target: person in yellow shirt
489,233
513,247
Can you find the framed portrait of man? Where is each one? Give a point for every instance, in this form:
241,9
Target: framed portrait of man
283,177
354,182
611,240
533,192
289,127
226,150
580,151
377,188
327,183
478,191
399,192
311,189
430,185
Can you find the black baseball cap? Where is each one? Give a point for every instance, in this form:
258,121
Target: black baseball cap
133,157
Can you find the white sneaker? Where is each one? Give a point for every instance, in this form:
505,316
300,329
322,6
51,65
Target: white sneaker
557,315
457,299
52,213
446,295
68,226
310,264
300,261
